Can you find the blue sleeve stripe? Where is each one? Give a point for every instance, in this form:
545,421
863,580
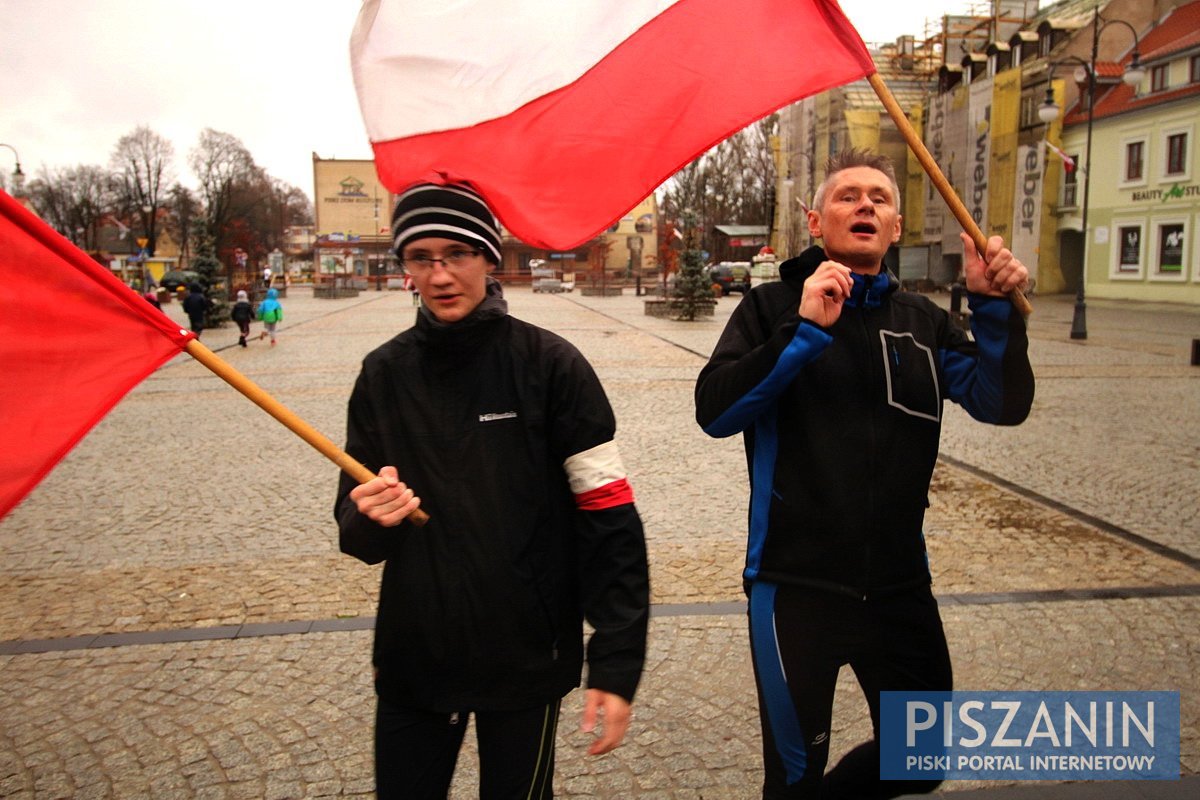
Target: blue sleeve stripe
762,482
808,342
781,712
977,382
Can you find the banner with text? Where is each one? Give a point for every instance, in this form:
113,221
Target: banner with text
1027,205
1030,736
979,150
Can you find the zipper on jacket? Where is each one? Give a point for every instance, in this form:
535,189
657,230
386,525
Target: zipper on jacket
873,454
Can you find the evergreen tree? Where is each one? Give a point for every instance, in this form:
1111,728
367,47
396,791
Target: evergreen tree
211,279
693,289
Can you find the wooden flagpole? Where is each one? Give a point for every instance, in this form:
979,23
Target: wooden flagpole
957,208
308,433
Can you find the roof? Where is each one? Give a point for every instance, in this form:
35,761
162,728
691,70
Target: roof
861,94
1164,39
1178,31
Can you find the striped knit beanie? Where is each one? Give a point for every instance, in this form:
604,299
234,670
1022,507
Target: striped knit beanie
448,212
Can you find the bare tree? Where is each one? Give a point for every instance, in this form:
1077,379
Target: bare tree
73,200
183,209
733,183
224,168
142,161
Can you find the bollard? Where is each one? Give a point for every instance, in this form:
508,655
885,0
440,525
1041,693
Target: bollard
1196,352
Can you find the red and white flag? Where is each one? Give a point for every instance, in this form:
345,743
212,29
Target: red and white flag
564,115
1068,162
73,341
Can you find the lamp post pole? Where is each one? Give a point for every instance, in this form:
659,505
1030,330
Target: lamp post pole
1048,112
18,176
1079,318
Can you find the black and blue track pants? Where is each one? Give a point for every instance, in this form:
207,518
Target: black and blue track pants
415,752
800,638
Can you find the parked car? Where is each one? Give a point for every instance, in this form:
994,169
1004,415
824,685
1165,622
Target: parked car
732,276
176,278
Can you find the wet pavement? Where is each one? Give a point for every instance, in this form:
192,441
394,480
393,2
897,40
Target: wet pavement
176,619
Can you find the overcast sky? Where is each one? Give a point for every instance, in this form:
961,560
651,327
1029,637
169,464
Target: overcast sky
76,75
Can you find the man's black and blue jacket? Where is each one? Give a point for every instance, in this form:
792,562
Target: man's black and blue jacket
842,425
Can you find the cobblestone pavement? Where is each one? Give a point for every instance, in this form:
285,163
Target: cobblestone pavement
1064,554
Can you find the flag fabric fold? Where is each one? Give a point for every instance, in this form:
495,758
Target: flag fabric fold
566,115
74,340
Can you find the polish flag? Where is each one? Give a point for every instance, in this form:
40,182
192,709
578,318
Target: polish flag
1068,162
73,341
564,115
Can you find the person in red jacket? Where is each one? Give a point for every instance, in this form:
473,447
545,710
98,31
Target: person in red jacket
503,435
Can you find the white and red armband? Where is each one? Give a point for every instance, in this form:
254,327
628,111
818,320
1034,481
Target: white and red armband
597,478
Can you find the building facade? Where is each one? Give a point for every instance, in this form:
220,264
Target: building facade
973,90
352,234
1144,199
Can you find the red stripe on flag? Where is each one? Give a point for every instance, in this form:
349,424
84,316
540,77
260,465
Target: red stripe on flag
73,341
561,168
610,495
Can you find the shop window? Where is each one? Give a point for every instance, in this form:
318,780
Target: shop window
1129,249
1170,249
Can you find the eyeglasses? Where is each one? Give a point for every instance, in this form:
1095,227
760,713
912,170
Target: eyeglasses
454,259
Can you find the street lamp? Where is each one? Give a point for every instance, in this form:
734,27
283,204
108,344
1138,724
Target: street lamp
1049,111
146,243
18,176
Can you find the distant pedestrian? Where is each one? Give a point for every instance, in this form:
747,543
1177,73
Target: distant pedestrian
411,285
270,312
242,313
195,305
151,297
267,278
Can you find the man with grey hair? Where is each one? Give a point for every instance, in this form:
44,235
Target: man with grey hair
837,380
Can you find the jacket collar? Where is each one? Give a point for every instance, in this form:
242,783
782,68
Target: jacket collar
870,291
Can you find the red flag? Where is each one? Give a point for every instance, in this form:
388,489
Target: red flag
566,115
73,341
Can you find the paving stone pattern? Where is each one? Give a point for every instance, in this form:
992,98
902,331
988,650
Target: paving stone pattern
1065,553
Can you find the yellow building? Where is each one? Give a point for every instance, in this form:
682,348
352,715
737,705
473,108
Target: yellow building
353,221
353,234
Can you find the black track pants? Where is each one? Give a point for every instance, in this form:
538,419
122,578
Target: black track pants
800,638
415,752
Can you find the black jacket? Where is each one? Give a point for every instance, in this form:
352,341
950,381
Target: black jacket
842,426
483,607
241,312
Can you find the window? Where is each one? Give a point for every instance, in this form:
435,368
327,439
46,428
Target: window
1177,154
1044,44
1158,78
1071,185
1194,69
1029,110
1129,249
1135,161
1170,248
